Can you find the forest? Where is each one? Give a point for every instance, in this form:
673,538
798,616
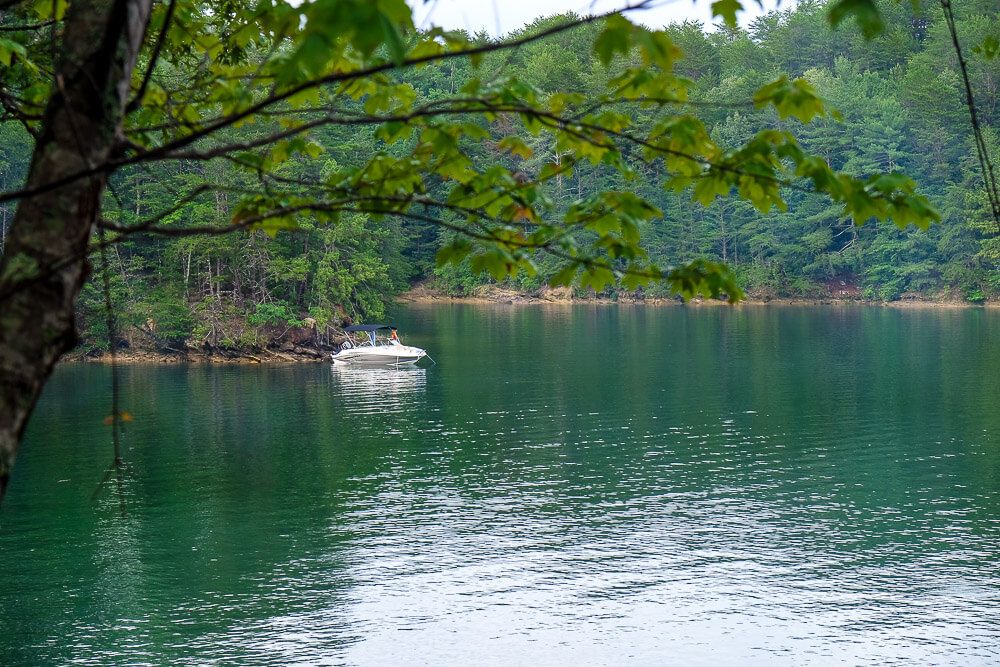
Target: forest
899,106
268,394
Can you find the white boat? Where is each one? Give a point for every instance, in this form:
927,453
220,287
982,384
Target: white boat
370,351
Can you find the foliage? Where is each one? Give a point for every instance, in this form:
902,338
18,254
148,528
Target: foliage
354,154
170,315
273,314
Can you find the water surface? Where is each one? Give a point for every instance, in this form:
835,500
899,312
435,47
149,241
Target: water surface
591,485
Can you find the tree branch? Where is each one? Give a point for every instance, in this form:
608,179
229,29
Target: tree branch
27,27
982,150
153,58
339,77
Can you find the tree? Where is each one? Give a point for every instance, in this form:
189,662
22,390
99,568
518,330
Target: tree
251,84
43,266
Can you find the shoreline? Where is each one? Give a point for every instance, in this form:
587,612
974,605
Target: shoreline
492,296
423,295
134,356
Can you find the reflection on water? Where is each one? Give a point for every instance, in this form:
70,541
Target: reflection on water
373,390
752,486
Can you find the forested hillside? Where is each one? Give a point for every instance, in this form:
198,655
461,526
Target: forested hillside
900,104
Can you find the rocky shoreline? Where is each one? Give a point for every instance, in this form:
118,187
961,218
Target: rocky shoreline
216,355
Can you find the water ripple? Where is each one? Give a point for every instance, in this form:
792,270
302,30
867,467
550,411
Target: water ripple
480,511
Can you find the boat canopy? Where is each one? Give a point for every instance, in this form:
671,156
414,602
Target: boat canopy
370,328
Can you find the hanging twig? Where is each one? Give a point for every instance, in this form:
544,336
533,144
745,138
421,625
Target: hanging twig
985,162
111,324
117,465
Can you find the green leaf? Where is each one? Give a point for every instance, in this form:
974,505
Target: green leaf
43,9
864,12
795,97
597,277
614,39
888,183
705,278
514,145
426,48
564,276
313,149
498,262
605,224
394,131
726,10
393,40
989,49
454,252
8,49
638,277
658,49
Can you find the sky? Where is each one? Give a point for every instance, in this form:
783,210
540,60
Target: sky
499,17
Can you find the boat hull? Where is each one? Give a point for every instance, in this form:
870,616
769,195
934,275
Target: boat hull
380,355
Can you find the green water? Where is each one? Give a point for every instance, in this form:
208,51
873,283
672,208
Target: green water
590,485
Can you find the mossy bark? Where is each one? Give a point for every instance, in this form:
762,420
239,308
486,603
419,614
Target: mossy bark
45,263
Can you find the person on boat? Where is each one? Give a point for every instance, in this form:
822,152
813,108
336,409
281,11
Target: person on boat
394,338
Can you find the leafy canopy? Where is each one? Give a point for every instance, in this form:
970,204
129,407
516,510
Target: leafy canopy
254,83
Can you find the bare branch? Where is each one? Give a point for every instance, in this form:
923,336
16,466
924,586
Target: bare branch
153,58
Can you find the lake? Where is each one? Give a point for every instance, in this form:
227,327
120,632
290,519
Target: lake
569,484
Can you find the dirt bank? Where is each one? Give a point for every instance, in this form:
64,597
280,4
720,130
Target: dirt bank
297,354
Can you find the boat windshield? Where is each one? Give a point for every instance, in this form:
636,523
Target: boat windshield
372,338
366,339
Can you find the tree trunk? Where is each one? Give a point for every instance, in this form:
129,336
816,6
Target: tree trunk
45,264
722,229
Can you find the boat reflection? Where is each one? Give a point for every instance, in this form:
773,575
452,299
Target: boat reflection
369,390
